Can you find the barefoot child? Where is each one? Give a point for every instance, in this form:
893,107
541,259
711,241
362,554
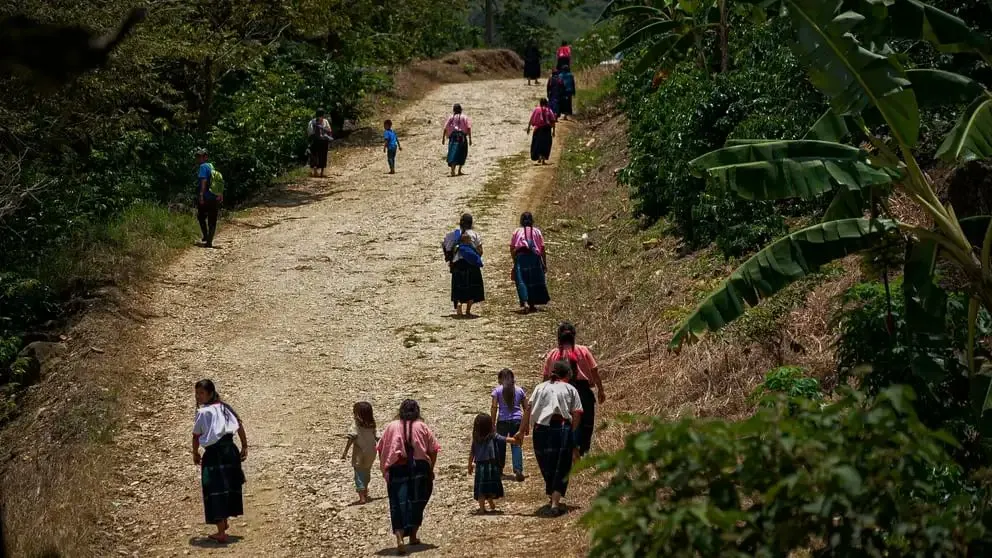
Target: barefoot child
482,460
361,434
391,145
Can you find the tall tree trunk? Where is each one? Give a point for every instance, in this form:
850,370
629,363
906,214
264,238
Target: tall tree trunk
490,22
206,96
724,38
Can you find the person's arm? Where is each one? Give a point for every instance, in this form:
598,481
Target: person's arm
385,145
494,410
244,441
471,461
347,447
398,144
592,370
196,449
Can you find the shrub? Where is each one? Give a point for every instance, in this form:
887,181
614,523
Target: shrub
855,478
790,381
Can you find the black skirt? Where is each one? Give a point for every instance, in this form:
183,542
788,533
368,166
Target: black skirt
466,283
318,153
221,478
588,398
540,143
409,488
532,68
488,481
553,450
565,105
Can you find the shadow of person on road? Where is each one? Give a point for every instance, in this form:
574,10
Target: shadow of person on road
410,549
207,542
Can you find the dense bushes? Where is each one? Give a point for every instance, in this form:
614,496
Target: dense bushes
859,477
692,112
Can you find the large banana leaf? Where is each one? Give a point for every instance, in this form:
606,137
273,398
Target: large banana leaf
669,46
775,267
788,168
853,77
912,19
653,29
971,137
849,202
829,127
612,11
940,88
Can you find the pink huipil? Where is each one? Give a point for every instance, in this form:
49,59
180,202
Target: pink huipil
458,123
522,234
542,116
391,447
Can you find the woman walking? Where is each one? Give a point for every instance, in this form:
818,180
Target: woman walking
586,375
458,135
221,476
407,456
564,55
532,63
530,264
542,120
463,252
554,412
568,92
507,411
319,131
556,90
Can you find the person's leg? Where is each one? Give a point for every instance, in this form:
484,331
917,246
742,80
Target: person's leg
213,209
201,217
482,504
468,308
492,504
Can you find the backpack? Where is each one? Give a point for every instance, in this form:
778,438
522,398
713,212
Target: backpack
216,180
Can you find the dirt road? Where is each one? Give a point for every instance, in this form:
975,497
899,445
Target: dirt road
331,293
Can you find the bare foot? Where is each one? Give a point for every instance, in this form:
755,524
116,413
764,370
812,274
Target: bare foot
218,537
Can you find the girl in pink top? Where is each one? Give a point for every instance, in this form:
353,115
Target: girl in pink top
407,455
585,375
542,120
458,135
564,55
530,264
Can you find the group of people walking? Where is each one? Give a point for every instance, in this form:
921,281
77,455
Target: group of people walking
559,415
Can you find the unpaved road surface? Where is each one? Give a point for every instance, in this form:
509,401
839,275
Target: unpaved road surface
332,292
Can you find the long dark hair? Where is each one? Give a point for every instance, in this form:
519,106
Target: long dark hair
566,346
208,386
457,109
466,222
482,429
363,414
508,381
409,411
561,370
527,218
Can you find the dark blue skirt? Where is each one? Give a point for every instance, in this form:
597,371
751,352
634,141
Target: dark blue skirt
540,143
488,481
553,450
466,283
457,149
409,490
528,274
221,479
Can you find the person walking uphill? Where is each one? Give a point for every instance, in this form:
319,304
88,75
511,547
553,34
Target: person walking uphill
407,456
209,196
554,413
542,120
568,92
319,131
458,135
463,252
530,264
391,143
564,55
585,375
507,411
532,63
221,476
556,91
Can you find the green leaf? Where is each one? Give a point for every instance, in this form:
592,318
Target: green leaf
974,228
848,202
853,77
789,168
912,19
940,88
656,28
971,137
609,12
666,48
829,127
776,266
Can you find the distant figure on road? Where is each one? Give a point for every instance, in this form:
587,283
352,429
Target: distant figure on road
220,466
532,63
207,201
530,264
362,437
564,55
556,91
542,120
568,82
391,145
458,135
407,456
319,131
463,252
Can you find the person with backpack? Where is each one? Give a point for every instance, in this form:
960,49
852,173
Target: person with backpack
585,374
568,95
463,252
319,132
564,55
209,196
530,264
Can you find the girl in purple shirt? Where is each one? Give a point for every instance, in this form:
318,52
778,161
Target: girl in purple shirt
507,411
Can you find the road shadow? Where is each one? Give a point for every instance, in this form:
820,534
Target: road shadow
293,196
357,503
410,549
207,542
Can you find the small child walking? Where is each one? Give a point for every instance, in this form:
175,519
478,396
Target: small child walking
391,145
509,401
483,462
362,436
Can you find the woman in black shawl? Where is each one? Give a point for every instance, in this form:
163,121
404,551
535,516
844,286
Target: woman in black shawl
532,63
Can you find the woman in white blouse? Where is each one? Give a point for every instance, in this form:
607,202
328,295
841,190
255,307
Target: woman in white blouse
554,414
221,476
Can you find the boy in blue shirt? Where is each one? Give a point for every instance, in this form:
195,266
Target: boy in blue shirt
207,202
392,144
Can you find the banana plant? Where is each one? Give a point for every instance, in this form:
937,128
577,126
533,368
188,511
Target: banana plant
841,42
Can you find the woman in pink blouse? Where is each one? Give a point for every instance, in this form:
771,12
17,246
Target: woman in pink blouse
585,375
407,455
458,134
529,264
542,120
